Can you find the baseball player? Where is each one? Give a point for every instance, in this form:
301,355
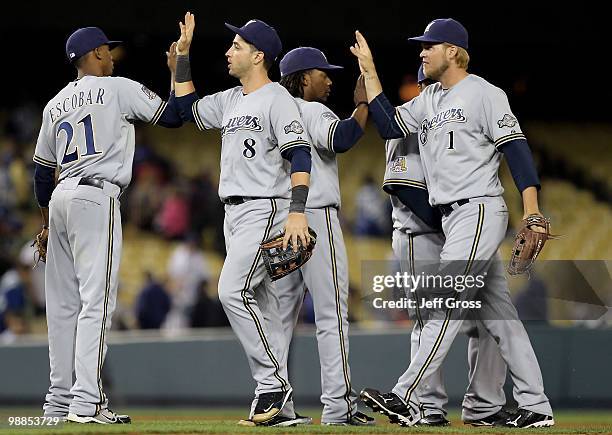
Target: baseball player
464,124
417,241
304,72
265,174
88,137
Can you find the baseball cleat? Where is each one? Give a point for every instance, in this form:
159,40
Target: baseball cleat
282,421
105,416
391,405
433,420
525,419
359,419
269,405
499,417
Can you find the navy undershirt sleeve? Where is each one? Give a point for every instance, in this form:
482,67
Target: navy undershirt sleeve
300,158
383,113
44,183
417,200
347,133
184,106
521,164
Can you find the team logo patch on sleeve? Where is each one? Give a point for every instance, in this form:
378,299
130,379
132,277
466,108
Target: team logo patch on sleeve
507,121
329,116
148,92
398,165
294,127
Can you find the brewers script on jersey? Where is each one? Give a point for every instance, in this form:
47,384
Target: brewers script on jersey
86,132
326,273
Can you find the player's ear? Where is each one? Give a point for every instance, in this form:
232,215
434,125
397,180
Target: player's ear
98,52
258,57
306,78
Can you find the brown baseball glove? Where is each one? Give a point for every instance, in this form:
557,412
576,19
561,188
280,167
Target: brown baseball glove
528,243
281,262
40,242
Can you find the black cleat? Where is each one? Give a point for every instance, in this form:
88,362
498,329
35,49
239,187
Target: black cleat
524,419
391,405
269,405
359,419
492,420
433,420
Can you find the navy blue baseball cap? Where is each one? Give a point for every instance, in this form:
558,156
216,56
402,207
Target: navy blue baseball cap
303,58
83,40
444,30
261,35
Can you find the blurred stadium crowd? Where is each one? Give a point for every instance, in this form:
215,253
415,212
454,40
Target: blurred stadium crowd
173,224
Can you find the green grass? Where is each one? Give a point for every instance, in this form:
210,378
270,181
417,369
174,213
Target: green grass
223,421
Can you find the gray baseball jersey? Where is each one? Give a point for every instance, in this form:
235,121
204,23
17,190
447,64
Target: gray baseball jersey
86,131
87,128
460,130
403,168
255,129
320,123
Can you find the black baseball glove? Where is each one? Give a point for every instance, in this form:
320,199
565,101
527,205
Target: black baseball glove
281,262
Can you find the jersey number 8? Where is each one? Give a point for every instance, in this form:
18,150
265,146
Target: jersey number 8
249,151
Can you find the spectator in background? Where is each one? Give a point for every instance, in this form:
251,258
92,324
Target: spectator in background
372,210
187,269
206,209
12,306
152,305
207,311
531,303
144,197
173,218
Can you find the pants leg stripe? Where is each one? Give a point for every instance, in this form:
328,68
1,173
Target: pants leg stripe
109,267
412,271
476,240
332,248
449,311
245,300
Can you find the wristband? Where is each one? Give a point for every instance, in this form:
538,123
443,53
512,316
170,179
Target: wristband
299,194
183,69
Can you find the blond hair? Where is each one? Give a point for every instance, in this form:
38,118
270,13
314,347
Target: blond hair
462,58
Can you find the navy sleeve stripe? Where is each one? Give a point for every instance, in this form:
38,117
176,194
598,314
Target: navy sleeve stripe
401,123
502,140
44,162
330,135
402,182
196,115
293,144
159,112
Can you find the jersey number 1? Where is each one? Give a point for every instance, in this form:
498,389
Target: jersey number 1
89,140
450,138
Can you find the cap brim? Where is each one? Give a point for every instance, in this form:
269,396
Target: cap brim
328,67
113,44
425,39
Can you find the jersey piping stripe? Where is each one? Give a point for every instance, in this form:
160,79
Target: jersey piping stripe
196,115
448,312
411,183
400,122
330,135
502,140
476,240
109,268
245,300
293,144
332,249
158,112
44,162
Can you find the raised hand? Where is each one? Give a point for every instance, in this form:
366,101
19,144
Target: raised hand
362,52
359,94
171,58
184,42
